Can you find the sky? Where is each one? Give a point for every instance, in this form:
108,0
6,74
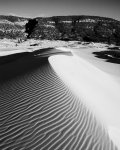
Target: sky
36,8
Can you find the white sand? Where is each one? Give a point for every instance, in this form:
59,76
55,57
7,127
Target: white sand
98,85
99,90
8,47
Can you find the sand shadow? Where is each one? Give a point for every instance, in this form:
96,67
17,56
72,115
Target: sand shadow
19,64
112,56
12,58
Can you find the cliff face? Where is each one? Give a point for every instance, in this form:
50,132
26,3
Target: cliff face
12,27
83,28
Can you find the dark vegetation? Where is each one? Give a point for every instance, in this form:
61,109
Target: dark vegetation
80,28
112,56
30,26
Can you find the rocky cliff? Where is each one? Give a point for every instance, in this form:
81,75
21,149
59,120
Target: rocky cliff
12,27
80,28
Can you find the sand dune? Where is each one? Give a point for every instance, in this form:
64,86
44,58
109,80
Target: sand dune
38,111
99,90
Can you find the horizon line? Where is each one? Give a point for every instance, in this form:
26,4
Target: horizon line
57,16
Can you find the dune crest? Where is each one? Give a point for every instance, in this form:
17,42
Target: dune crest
99,92
38,111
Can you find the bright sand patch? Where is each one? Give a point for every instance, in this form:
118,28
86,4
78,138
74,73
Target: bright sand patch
9,47
100,90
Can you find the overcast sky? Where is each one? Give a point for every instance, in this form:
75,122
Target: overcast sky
33,8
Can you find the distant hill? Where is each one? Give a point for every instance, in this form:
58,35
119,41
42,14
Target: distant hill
81,28
12,27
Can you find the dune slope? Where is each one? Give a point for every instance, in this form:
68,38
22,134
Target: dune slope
38,111
99,90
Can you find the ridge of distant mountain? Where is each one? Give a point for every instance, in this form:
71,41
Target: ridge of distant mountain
80,17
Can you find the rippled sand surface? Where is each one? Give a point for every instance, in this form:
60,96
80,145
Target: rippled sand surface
39,112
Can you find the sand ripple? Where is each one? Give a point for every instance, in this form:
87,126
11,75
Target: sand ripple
39,112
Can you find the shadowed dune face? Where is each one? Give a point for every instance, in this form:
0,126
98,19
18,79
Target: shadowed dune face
37,111
11,58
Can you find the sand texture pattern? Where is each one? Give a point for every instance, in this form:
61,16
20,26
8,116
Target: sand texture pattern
39,112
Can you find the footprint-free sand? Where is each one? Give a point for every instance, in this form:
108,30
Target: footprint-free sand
39,110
